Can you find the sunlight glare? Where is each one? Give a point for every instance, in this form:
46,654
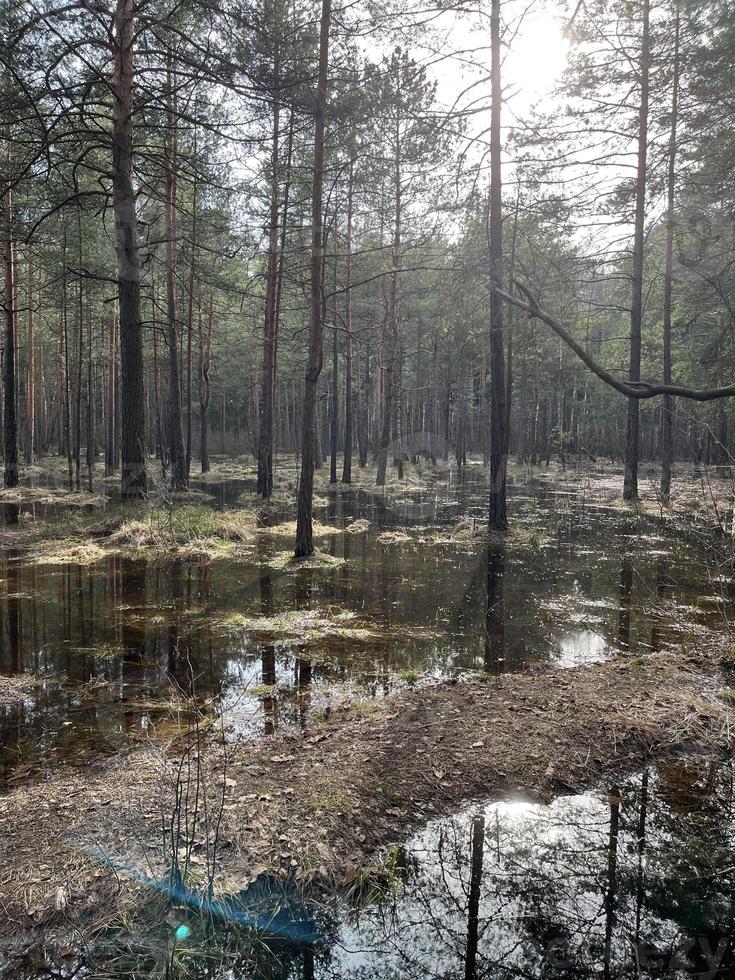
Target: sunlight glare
536,59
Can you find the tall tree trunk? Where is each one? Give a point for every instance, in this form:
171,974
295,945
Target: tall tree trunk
111,373
334,406
177,455
304,531
205,354
90,406
132,395
632,431
30,372
347,460
79,365
498,437
190,323
268,390
363,410
160,449
67,385
667,408
393,333
10,427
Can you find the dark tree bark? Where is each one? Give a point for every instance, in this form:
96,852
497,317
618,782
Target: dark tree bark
265,430
363,411
667,409
160,449
334,408
177,454
394,326
190,324
67,370
498,437
30,372
90,422
205,355
132,395
632,431
110,420
78,380
347,461
10,426
304,531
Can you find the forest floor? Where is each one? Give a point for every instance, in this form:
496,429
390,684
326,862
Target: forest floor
57,525
84,849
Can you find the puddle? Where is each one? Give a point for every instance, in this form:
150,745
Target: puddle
633,881
117,642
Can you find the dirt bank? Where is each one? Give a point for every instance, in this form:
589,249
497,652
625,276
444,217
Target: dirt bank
322,805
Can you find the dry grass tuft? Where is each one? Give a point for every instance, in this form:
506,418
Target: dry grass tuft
286,561
304,626
358,527
394,537
67,552
16,687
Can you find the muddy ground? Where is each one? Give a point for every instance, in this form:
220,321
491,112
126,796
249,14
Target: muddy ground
81,850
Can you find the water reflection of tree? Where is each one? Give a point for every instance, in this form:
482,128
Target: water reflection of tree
495,609
268,650
626,596
591,886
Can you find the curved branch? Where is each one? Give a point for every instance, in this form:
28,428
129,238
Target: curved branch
637,389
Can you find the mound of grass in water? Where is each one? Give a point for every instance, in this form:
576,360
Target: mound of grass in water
304,625
358,527
288,530
285,561
198,528
69,552
394,537
51,495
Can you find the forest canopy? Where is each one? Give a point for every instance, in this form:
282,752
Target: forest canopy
328,229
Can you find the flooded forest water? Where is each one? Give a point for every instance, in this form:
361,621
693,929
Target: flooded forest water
627,880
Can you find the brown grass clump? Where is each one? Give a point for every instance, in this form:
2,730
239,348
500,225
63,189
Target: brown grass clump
51,495
321,560
189,533
358,527
67,552
16,687
288,530
467,531
305,625
394,537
